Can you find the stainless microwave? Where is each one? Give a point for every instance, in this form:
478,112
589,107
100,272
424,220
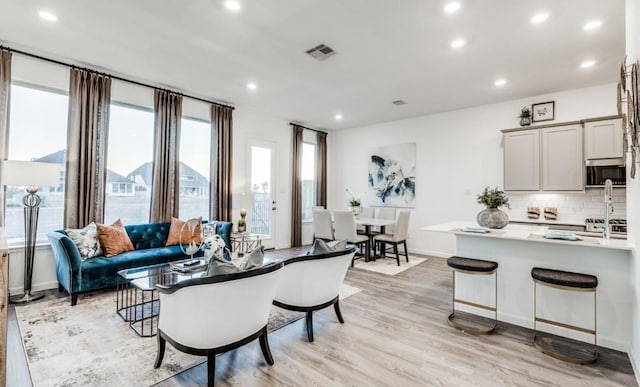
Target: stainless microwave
598,174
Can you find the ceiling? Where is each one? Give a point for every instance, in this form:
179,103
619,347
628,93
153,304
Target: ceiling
386,50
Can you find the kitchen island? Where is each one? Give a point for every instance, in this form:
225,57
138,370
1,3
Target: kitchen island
518,248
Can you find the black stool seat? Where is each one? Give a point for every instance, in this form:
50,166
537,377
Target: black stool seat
469,264
564,278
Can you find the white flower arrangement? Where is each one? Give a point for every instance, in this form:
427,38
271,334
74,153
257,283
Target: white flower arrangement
355,200
213,245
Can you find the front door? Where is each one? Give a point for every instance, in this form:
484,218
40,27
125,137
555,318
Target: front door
263,209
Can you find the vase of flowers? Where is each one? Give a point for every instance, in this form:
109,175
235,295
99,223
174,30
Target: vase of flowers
354,203
525,116
492,216
242,223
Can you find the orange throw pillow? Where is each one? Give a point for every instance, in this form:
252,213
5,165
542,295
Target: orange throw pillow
114,239
187,235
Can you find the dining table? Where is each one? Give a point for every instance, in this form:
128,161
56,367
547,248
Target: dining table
368,223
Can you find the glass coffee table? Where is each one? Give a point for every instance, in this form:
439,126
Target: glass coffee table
137,300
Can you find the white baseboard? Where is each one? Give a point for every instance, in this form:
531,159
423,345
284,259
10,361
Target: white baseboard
635,366
34,287
429,252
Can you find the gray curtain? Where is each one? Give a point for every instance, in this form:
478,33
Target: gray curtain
221,158
296,187
5,94
321,169
87,130
165,186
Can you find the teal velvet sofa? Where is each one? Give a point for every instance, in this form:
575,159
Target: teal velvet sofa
77,276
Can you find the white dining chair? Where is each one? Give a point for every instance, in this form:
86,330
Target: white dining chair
399,236
387,213
322,225
345,229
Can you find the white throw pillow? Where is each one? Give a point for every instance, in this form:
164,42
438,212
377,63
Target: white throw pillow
86,239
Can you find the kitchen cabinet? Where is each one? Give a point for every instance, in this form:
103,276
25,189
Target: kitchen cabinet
603,139
548,158
562,158
522,161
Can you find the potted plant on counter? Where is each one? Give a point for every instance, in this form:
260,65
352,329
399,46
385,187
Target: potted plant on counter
492,216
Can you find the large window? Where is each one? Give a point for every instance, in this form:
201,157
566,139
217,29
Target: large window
195,166
308,180
129,165
37,132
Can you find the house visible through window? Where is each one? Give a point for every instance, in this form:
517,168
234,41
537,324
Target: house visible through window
37,132
195,166
308,180
129,165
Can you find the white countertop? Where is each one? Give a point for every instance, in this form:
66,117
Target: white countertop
530,233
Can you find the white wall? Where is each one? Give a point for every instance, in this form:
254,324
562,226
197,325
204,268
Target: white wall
632,13
458,154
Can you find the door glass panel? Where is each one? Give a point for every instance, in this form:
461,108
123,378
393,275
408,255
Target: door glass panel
260,217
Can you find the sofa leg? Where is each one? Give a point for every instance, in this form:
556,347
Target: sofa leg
60,287
264,345
160,354
336,306
74,299
310,326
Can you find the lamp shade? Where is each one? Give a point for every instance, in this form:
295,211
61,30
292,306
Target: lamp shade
29,173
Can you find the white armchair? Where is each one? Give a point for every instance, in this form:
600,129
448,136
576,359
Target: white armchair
211,315
312,282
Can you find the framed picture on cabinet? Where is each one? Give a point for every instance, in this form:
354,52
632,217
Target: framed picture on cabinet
543,111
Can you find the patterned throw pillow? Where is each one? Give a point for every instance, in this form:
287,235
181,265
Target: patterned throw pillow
86,239
208,229
187,236
114,239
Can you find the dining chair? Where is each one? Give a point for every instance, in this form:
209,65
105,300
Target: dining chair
345,229
399,236
322,225
387,213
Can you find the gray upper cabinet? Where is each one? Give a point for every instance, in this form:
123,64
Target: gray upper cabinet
562,158
547,159
603,139
522,161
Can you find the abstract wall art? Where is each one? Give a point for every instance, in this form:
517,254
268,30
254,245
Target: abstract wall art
392,175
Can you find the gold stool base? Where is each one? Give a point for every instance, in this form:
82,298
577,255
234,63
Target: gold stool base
551,346
28,297
467,328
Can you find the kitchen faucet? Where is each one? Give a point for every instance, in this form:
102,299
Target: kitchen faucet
608,207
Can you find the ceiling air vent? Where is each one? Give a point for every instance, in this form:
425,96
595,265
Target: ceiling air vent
321,52
399,102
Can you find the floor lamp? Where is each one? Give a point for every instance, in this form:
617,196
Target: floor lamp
30,175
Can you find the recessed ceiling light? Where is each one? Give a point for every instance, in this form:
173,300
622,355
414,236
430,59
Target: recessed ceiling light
592,25
587,64
232,5
452,7
338,116
48,16
539,18
457,43
251,86
500,82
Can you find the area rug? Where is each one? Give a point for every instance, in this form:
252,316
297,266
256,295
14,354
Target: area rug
388,266
90,345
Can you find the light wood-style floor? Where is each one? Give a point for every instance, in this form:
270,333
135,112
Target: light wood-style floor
395,334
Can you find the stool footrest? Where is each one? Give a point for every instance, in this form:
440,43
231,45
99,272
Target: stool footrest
467,328
559,349
567,326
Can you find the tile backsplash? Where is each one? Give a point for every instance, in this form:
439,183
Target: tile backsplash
572,207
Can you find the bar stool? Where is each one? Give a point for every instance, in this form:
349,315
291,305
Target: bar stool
472,266
565,281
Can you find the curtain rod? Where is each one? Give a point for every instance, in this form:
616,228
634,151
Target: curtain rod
43,58
302,126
